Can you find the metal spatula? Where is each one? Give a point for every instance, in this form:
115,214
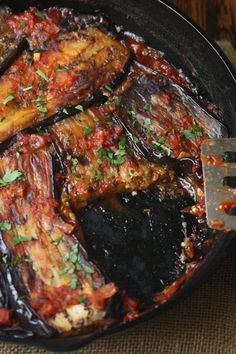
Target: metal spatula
219,171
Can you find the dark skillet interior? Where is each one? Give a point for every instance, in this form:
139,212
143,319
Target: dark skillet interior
185,47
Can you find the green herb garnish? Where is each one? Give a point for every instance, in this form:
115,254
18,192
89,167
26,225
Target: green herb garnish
74,282
80,108
40,14
65,111
59,68
9,177
132,114
109,88
193,133
81,298
147,122
160,145
40,99
102,155
8,99
98,176
58,240
88,269
22,25
19,238
27,88
118,101
42,108
5,226
66,270
44,76
148,107
88,131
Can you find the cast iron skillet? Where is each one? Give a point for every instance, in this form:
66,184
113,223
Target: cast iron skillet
187,47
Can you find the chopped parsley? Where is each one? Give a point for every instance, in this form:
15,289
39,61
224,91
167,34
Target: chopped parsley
160,145
193,133
40,99
80,108
5,226
132,114
59,68
19,239
65,111
98,176
102,155
29,196
40,131
147,122
81,298
42,108
88,269
22,25
58,240
66,270
115,158
18,152
40,14
44,76
118,101
120,153
148,107
27,88
8,99
9,177
74,160
88,131
74,282
42,84
96,119
108,88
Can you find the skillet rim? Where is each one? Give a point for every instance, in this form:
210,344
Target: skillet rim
212,259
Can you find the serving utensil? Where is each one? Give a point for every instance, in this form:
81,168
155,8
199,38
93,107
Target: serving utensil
219,171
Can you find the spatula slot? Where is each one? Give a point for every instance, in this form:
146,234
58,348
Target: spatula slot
231,211
229,181
229,156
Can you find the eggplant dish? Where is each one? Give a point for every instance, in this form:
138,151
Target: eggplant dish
102,213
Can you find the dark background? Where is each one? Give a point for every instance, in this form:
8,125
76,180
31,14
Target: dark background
217,17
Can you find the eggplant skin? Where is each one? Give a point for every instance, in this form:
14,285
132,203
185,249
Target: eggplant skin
22,311
63,291
70,70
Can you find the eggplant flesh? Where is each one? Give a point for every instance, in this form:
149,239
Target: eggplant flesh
98,160
62,291
70,70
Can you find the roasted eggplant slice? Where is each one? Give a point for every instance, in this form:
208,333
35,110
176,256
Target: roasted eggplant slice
11,43
70,70
98,160
164,119
61,288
